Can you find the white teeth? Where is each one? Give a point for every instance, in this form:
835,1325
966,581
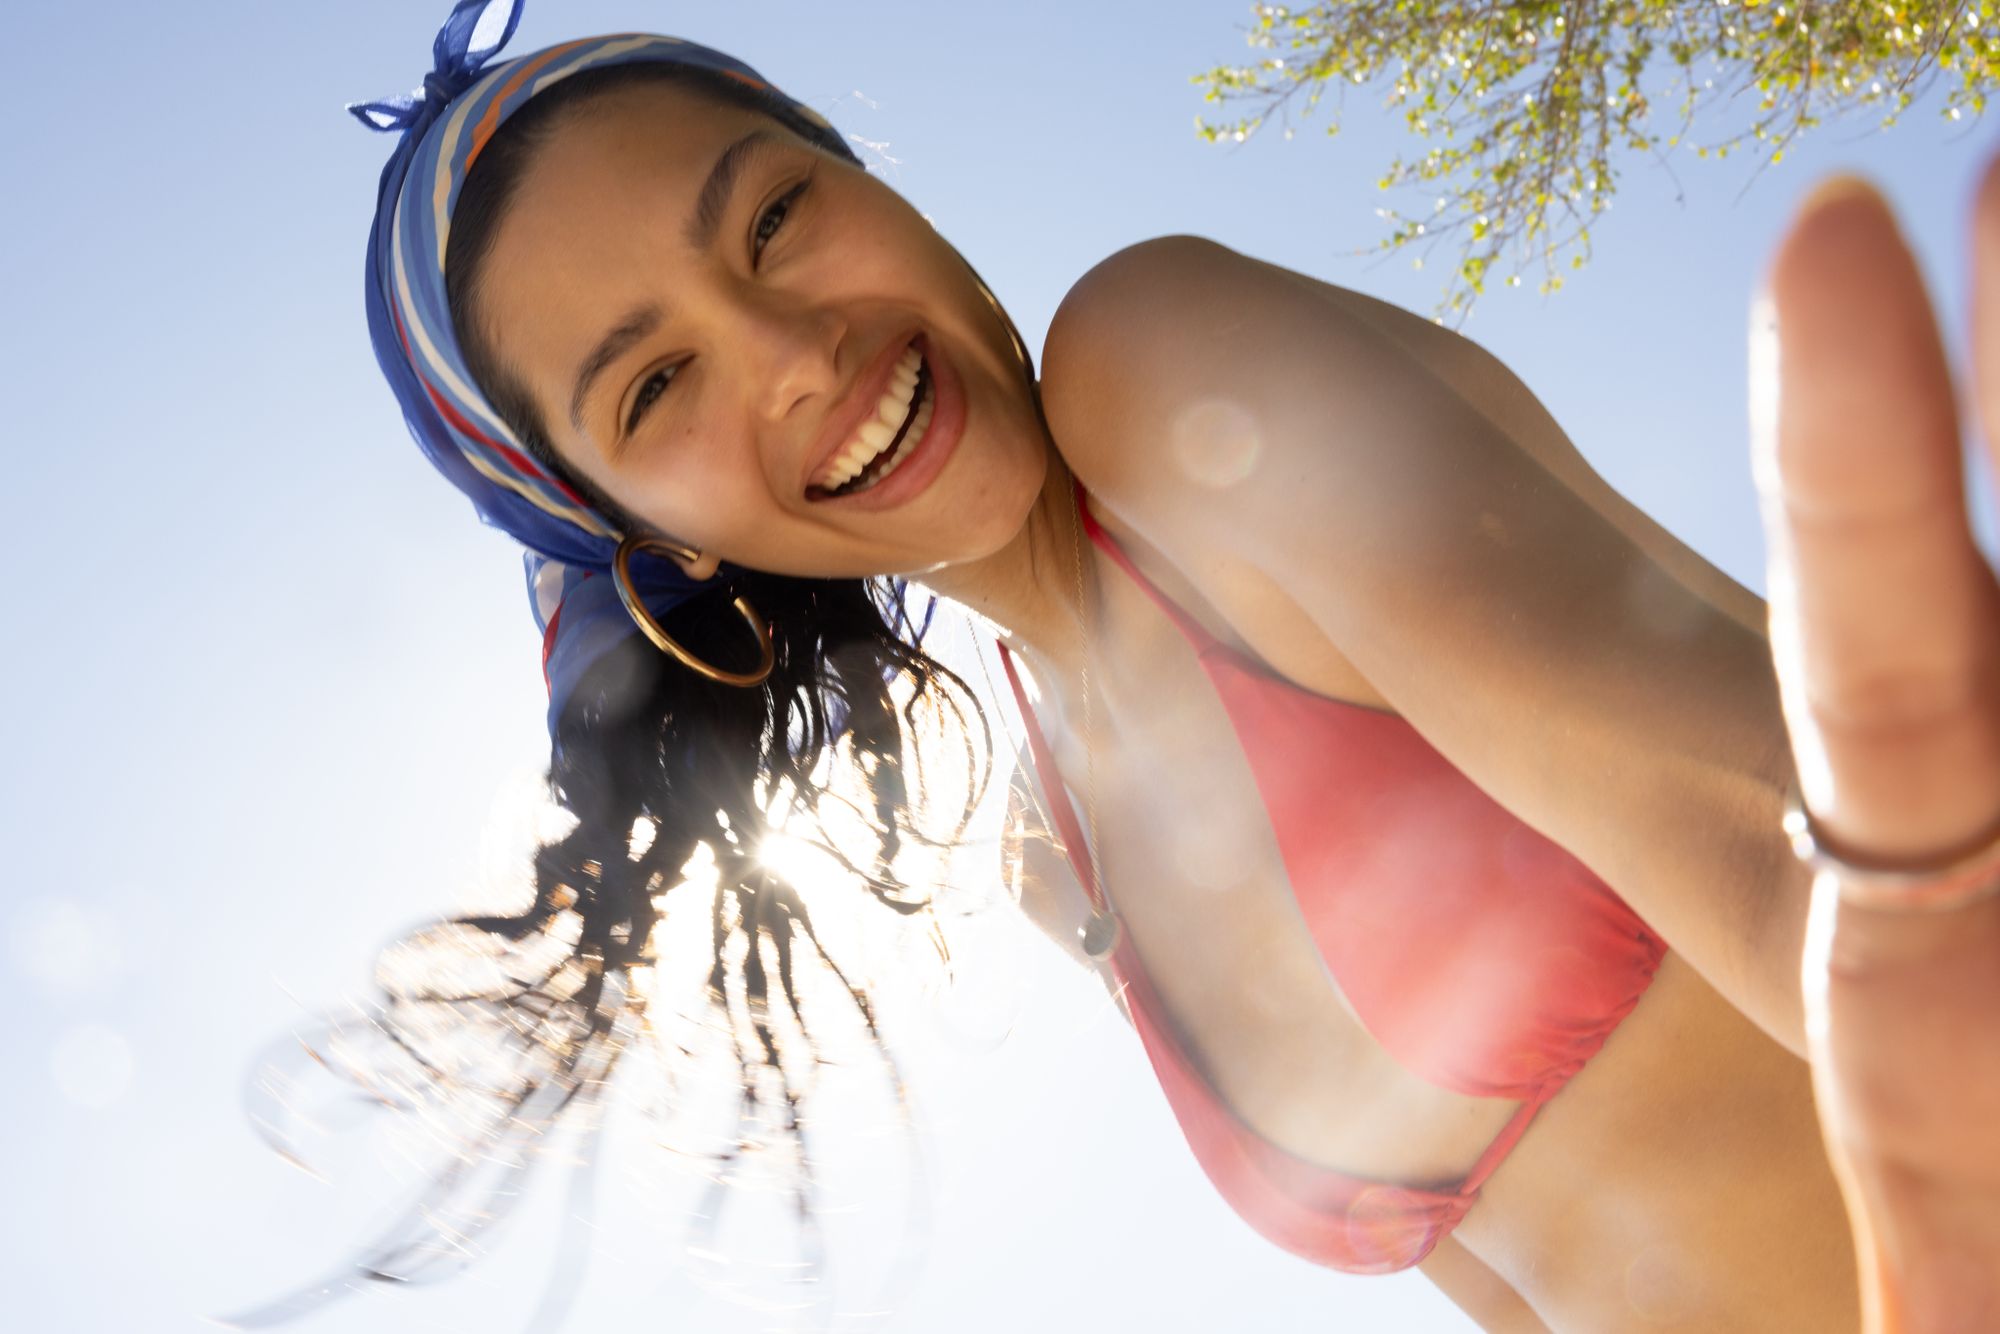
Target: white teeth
918,425
874,435
851,466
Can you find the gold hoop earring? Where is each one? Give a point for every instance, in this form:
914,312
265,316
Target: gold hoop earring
621,578
1021,352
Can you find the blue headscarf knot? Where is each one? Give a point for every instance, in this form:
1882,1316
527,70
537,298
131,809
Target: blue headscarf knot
455,65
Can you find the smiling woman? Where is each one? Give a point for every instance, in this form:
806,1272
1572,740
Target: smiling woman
658,284
543,409
1390,752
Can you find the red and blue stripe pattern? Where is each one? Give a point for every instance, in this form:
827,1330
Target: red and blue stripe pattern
445,125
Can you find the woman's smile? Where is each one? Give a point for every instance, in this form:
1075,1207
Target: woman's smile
871,418
906,437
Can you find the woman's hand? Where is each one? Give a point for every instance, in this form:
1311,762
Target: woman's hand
1885,623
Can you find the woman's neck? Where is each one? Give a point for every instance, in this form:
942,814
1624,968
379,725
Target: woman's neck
1030,588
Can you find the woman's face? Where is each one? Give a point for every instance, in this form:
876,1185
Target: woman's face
706,312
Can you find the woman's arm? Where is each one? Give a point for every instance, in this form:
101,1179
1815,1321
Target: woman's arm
1526,633
1475,1289
1485,382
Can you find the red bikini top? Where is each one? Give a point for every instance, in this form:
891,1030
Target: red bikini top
1481,956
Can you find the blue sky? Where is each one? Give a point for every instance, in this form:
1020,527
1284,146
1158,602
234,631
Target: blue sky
276,696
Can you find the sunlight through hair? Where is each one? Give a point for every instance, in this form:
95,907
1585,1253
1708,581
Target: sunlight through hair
742,1029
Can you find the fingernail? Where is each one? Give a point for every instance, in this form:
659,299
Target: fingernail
1839,188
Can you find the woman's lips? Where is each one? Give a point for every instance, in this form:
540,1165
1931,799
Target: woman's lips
928,457
885,441
860,406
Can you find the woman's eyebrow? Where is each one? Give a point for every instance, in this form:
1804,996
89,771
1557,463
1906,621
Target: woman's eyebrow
635,326
713,201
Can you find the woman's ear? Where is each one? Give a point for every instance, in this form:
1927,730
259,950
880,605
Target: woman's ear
697,565
694,563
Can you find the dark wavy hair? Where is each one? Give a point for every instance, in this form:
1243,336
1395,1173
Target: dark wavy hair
530,1011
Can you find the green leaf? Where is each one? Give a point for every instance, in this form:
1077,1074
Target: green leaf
1521,105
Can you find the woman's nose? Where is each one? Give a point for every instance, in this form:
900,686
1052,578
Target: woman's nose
796,356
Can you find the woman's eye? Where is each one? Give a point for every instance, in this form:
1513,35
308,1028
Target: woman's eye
650,389
772,218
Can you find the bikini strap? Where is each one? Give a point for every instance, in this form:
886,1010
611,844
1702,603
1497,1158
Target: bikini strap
1061,809
1105,542
1503,1144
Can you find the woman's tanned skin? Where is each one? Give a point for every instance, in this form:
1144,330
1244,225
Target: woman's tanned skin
1409,531
1887,621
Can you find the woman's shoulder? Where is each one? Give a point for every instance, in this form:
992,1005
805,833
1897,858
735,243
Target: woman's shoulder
1122,331
1148,277
1176,364
1177,367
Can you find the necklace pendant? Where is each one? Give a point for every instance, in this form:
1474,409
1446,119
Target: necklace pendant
1100,934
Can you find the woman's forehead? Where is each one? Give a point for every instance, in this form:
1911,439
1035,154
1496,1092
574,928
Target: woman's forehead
608,200
657,137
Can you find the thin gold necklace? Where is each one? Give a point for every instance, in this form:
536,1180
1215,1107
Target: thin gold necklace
1101,933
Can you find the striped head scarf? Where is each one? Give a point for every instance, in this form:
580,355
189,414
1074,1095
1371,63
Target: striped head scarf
444,125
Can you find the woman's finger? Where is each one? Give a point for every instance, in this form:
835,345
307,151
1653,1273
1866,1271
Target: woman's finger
1885,619
1885,622
1986,311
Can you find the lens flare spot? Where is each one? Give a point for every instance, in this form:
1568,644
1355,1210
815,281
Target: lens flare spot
92,1066
64,946
1657,1287
1216,442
